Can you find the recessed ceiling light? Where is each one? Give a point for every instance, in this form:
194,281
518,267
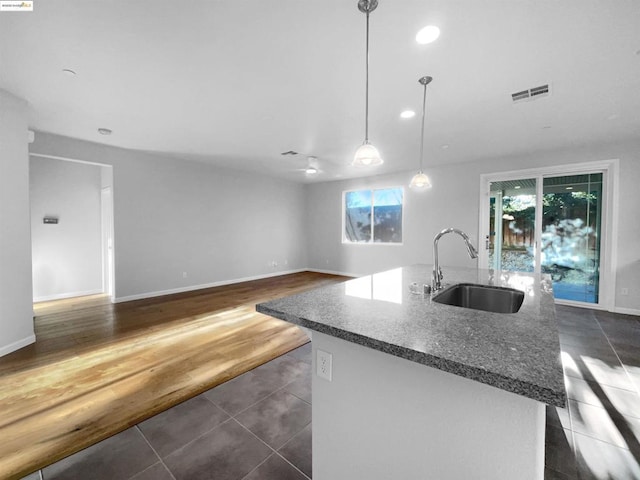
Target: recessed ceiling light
104,131
68,72
408,114
311,170
428,34
568,188
517,187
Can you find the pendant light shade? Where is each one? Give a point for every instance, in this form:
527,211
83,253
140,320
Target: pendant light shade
420,181
367,155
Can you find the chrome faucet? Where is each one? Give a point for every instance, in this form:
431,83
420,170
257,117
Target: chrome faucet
436,283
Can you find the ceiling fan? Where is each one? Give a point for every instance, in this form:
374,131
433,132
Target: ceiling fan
312,168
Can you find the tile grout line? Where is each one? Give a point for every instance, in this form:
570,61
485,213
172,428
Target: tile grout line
231,415
626,371
256,467
273,449
194,439
157,455
287,443
297,433
261,398
231,418
291,393
570,410
573,432
216,405
602,407
297,469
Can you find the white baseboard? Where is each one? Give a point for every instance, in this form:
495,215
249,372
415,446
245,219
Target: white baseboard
128,298
61,296
571,303
191,288
627,311
12,347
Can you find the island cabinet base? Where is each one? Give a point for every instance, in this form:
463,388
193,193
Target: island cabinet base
382,417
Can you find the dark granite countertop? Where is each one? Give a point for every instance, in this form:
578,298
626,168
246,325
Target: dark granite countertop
518,352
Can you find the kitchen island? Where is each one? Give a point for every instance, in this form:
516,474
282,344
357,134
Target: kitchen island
422,390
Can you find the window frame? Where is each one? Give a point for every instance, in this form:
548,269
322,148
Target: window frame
346,241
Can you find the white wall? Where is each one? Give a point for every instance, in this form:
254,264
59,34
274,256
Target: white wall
16,313
173,216
67,257
221,225
383,417
453,201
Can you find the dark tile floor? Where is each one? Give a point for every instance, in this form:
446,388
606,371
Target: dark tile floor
598,435
258,425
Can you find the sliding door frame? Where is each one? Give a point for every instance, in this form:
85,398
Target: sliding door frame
609,226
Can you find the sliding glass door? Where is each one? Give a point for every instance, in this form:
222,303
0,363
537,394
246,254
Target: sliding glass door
549,223
570,237
512,223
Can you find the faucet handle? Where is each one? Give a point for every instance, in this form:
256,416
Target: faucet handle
436,279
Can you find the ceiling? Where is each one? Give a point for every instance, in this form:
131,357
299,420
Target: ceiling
237,82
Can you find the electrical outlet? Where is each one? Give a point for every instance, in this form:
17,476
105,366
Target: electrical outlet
324,364
624,291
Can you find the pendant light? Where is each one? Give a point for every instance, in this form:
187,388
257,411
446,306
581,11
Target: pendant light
420,180
367,154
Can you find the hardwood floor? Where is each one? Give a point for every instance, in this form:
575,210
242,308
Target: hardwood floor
98,368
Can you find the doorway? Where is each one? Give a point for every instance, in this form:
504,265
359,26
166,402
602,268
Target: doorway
554,222
72,228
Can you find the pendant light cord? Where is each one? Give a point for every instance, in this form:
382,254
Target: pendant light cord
366,100
424,107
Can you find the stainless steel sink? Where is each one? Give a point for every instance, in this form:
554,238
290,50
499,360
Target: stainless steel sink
481,297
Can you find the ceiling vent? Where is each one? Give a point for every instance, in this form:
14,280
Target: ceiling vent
518,96
531,94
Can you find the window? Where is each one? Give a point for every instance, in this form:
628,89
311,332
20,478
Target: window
373,216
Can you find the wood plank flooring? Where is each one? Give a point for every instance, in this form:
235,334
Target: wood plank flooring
98,368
